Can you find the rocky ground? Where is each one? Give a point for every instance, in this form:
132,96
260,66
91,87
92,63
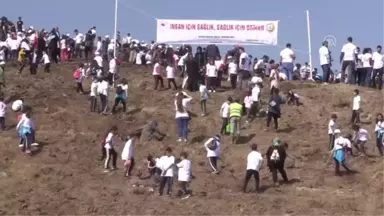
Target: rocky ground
65,176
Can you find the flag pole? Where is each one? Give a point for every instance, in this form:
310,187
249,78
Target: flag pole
115,31
309,44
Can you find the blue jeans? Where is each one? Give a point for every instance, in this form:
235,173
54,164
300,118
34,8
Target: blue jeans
326,72
182,127
368,76
287,69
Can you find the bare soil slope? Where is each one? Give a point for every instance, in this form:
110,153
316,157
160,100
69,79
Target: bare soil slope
65,177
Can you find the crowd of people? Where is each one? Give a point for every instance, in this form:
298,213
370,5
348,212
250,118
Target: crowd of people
205,72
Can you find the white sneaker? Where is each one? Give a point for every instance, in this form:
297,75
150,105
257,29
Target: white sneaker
20,145
35,144
185,197
179,140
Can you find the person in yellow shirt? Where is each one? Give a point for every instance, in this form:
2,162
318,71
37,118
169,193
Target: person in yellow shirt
235,113
22,60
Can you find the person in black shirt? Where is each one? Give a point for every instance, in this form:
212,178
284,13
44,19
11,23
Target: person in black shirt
276,156
20,25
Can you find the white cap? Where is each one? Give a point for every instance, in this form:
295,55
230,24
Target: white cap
2,63
106,36
337,131
16,106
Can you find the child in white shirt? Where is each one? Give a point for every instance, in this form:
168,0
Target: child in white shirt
79,76
184,174
93,94
248,104
171,76
203,99
332,126
46,62
3,109
360,138
127,156
356,107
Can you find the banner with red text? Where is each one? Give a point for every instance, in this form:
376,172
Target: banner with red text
226,32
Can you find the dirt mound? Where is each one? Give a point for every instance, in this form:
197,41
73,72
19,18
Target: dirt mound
65,177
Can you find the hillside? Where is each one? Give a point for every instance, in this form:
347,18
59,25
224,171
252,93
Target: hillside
65,177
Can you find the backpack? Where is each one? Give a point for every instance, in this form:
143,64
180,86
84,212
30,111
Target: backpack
76,74
275,156
119,90
212,145
117,61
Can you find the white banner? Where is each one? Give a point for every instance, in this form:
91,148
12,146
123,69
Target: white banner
226,32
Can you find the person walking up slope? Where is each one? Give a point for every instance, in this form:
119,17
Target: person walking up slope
254,164
224,113
182,117
127,156
184,174
235,113
212,145
274,108
339,153
110,149
276,156
356,108
332,126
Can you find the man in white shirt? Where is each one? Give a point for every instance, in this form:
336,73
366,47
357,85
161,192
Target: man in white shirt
325,61
244,65
112,72
224,113
102,90
348,59
287,57
256,91
254,164
378,63
167,163
232,71
79,39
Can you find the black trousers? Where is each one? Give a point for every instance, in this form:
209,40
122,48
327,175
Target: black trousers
110,78
183,187
280,168
77,52
203,106
211,83
361,75
165,180
331,141
379,144
248,176
111,155
93,104
213,163
103,100
233,79
377,78
79,87
172,80
337,167
2,123
355,116
117,102
275,119
224,125
33,68
158,79
47,67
